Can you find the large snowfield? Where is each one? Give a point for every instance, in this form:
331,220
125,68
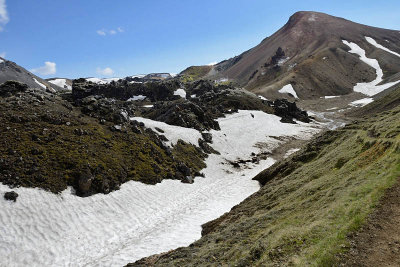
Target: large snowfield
44,229
371,88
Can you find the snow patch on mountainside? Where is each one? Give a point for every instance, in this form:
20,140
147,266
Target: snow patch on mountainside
44,229
102,81
361,102
374,43
288,89
371,88
61,83
282,61
138,76
40,84
334,108
290,152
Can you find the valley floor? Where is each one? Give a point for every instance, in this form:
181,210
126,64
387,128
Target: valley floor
44,229
310,203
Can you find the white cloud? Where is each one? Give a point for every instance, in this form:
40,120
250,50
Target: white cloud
3,54
101,32
106,72
104,32
4,19
47,69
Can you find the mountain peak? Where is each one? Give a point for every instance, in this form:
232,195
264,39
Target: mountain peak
308,40
309,17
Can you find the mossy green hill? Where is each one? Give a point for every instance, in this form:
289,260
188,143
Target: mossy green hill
48,143
194,73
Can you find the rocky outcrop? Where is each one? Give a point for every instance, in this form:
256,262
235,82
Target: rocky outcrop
52,141
289,111
11,196
106,109
123,90
184,114
11,87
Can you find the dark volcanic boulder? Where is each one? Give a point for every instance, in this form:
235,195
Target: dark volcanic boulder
201,87
279,54
207,137
123,90
107,108
289,111
12,87
184,114
85,181
206,147
12,196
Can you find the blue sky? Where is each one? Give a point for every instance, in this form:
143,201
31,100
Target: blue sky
82,38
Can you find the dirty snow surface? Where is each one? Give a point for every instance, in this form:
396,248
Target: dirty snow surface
371,88
44,229
288,89
61,83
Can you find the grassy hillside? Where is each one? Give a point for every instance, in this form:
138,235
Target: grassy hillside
389,99
309,204
194,73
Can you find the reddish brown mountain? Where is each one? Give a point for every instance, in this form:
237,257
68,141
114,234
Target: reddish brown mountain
308,53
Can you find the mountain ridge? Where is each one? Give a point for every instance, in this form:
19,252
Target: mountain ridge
315,60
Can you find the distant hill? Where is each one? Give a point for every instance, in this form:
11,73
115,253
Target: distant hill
12,71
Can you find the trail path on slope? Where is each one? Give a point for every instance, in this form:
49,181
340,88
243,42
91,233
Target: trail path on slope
378,243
